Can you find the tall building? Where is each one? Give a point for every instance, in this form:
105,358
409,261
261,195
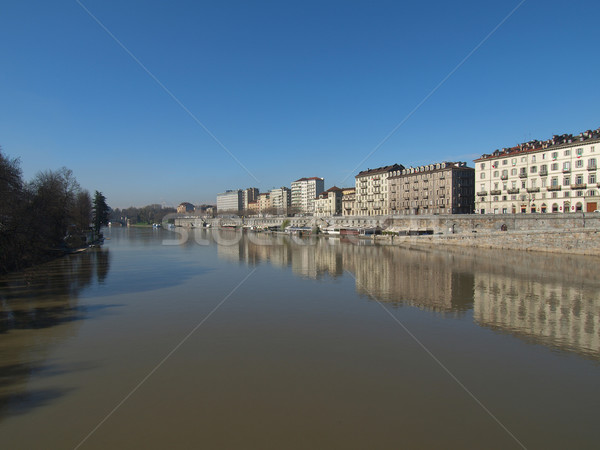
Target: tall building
264,203
304,192
329,203
281,200
558,175
372,190
442,188
229,201
249,195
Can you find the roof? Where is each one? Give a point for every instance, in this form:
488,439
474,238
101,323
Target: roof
308,179
557,141
383,169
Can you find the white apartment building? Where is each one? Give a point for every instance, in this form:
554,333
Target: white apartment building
559,175
229,201
304,191
329,203
281,200
372,190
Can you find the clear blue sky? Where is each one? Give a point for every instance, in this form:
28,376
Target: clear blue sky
292,89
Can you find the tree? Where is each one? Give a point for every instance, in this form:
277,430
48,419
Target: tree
101,211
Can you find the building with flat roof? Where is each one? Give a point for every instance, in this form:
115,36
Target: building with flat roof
329,203
348,201
281,200
229,201
441,188
558,175
303,193
249,195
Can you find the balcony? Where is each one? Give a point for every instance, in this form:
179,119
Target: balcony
496,192
442,196
482,193
504,177
566,170
543,173
523,175
592,167
533,189
554,188
513,191
579,186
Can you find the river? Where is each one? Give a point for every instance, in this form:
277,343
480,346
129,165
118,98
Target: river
222,340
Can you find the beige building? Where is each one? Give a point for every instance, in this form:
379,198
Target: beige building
253,208
348,201
329,203
304,192
264,203
558,175
185,207
442,188
281,200
372,190
249,195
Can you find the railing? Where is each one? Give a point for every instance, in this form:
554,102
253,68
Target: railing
482,193
513,191
523,175
543,173
496,192
554,188
533,189
579,186
504,177
592,167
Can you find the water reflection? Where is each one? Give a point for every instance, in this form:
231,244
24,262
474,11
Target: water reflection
39,299
531,296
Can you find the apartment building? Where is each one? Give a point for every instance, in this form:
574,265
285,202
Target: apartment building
559,175
372,190
264,203
441,188
348,201
249,195
229,201
281,200
329,203
303,193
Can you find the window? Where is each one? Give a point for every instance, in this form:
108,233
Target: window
533,183
592,163
504,186
567,194
513,172
483,186
554,155
592,149
567,165
504,197
579,179
533,169
543,182
532,158
554,166
495,198
555,195
592,178
579,151
482,176
482,166
567,152
514,161
496,186
579,163
566,181
504,162
523,184
513,197
554,181
523,159
544,156
495,173
514,184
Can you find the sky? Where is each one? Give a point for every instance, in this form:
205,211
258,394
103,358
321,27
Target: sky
165,102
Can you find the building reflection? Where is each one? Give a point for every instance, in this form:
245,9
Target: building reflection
530,296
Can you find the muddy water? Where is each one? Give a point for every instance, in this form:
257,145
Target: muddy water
231,341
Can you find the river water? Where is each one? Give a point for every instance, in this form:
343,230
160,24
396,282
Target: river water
251,341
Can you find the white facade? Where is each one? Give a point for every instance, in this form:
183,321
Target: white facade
304,191
329,203
281,200
559,175
372,190
229,201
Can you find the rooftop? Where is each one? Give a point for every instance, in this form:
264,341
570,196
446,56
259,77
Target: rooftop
557,141
380,170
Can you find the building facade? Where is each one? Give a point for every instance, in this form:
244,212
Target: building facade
249,195
185,207
559,175
281,200
372,190
264,203
442,188
229,201
303,193
329,203
348,201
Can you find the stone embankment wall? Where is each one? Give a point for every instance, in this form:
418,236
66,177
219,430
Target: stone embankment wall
575,241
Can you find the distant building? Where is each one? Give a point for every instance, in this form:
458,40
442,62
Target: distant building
185,207
253,208
206,210
249,195
558,175
372,190
442,188
348,201
264,203
230,201
281,200
329,203
303,193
